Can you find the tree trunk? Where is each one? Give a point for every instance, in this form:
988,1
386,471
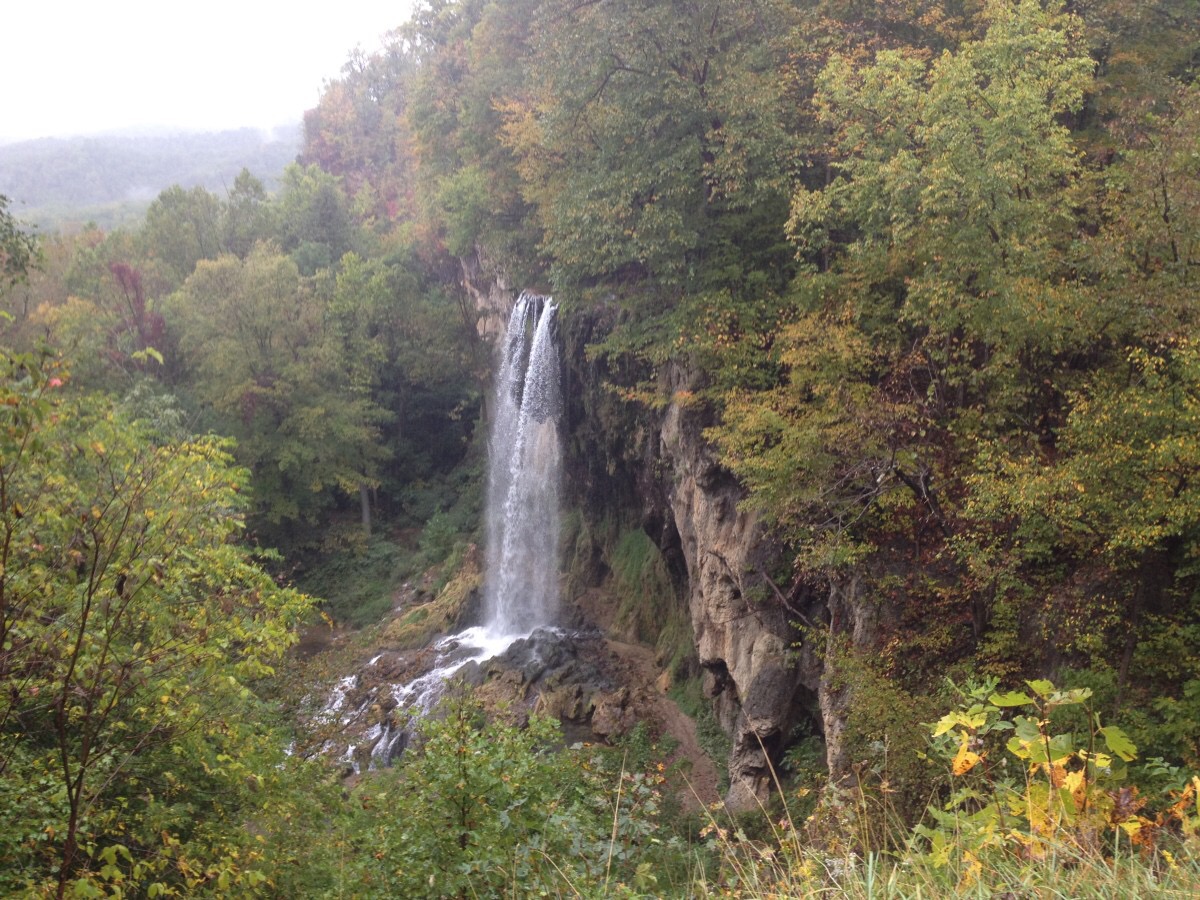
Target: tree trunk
364,496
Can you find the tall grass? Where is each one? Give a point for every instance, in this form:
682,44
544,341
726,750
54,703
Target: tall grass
788,865
876,855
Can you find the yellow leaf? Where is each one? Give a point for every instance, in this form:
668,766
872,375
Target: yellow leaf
964,760
1077,784
972,869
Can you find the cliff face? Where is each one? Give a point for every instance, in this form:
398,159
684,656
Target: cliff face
654,467
490,295
761,679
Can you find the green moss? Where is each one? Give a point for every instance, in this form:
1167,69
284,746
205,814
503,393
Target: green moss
418,626
649,609
640,579
416,616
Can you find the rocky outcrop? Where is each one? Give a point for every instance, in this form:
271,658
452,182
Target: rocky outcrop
490,295
761,680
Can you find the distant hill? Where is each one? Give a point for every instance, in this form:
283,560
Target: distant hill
56,183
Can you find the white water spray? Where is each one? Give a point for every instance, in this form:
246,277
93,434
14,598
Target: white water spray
521,579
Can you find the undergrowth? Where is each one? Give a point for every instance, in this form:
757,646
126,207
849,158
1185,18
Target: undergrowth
358,577
1027,810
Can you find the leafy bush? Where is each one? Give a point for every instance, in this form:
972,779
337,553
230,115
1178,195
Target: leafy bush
1021,786
134,629
487,808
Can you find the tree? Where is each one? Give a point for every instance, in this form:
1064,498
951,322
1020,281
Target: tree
118,334
247,216
132,629
1149,247
268,362
316,224
1119,500
359,132
473,62
952,180
651,140
182,227
945,234
18,248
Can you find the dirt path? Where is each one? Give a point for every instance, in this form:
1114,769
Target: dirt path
700,786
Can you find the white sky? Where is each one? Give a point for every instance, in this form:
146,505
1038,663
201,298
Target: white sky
72,67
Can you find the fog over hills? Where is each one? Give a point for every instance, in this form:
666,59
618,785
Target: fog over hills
111,178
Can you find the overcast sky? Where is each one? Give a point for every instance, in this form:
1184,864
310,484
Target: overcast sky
72,67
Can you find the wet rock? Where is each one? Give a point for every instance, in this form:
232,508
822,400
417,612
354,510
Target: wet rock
547,650
471,674
613,715
569,703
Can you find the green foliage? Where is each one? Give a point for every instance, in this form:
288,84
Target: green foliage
1117,498
247,216
819,451
133,629
487,808
315,219
183,227
462,202
881,746
940,217
1139,427
293,390
18,248
645,134
481,793
1022,787
981,384
359,132
473,64
358,579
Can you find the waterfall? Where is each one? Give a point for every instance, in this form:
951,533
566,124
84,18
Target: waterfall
522,529
525,468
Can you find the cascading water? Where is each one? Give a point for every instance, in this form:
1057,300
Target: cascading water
521,579
522,527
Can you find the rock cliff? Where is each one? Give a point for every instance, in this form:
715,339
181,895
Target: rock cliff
759,675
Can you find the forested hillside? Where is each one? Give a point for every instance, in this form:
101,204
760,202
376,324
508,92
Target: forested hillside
110,180
903,294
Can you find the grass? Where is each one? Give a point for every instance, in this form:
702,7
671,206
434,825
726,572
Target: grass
785,863
791,870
